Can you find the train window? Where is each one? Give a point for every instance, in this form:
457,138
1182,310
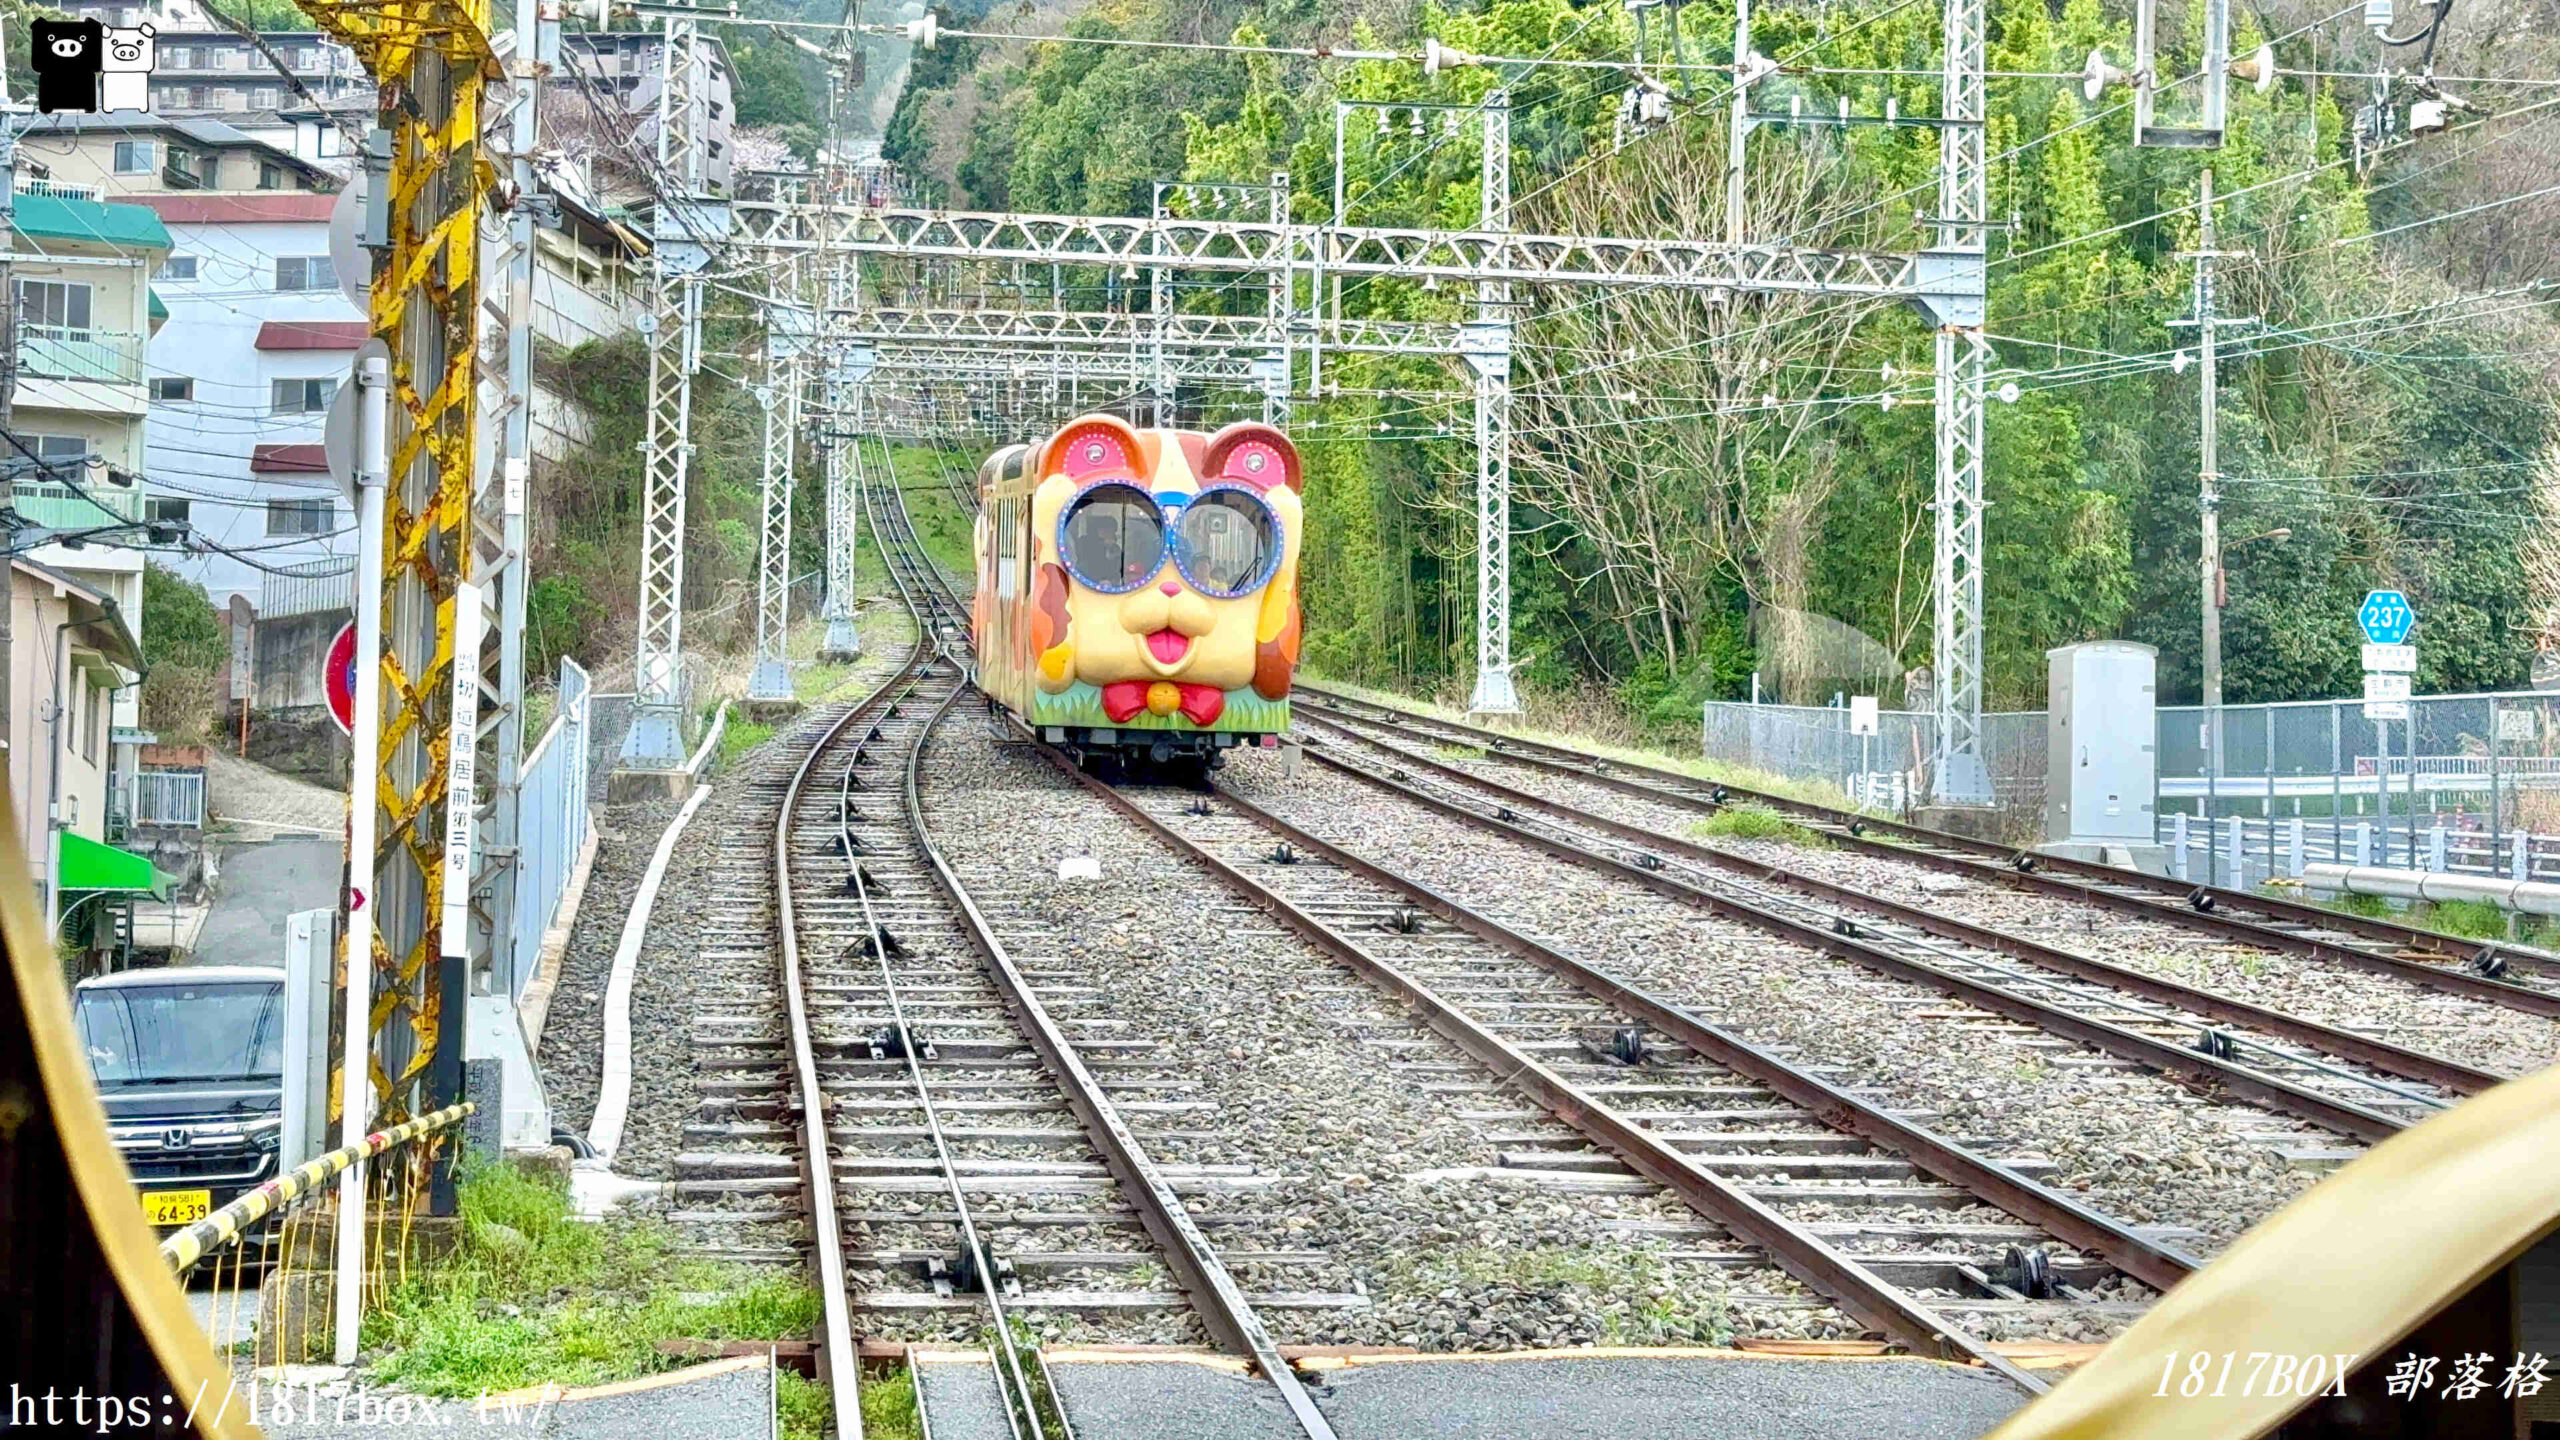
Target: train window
1230,540
1113,538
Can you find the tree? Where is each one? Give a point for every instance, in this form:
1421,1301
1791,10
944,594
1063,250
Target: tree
182,650
774,84
1705,486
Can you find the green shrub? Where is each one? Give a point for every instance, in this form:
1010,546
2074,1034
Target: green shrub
533,1295
1748,821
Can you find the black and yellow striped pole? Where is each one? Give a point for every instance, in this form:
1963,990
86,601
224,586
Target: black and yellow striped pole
225,1226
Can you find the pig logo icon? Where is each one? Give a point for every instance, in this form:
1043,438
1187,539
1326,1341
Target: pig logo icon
126,81
67,54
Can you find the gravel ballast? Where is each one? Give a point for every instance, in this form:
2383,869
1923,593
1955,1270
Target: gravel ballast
2139,1146
1316,1078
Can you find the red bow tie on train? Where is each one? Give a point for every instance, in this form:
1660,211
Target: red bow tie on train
1203,703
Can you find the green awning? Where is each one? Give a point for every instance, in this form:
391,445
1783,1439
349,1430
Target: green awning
52,217
88,865
159,309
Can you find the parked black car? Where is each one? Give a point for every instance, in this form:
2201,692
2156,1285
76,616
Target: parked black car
190,1063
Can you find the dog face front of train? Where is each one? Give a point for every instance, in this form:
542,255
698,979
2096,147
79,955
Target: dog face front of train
1169,563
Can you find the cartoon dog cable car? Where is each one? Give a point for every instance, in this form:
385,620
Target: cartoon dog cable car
1138,589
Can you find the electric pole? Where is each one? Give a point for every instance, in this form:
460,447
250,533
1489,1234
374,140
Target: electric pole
2208,323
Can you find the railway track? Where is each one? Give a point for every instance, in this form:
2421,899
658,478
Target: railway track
2351,1083
979,1168
1942,1249
2517,977
1792,1169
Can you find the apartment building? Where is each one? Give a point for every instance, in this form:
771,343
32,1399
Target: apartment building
135,154
71,659
204,71
81,272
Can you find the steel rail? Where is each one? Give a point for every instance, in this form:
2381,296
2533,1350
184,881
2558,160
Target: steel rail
2146,1260
1844,938
1013,1385
1860,1292
1220,1300
836,1350
2132,892
2380,1054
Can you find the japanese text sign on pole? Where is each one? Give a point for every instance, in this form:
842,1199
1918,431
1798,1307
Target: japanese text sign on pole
1862,715
2386,617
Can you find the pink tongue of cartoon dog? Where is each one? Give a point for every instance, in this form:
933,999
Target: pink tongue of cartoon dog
1168,645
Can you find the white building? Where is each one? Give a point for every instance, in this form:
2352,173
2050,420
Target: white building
258,339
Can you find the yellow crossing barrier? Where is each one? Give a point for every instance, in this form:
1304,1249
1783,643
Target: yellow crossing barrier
225,1226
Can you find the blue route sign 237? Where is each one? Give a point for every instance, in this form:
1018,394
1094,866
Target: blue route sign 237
2386,617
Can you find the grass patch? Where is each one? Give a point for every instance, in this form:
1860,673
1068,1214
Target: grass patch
944,529
1459,752
808,1410
815,684
1747,821
532,1295
2477,919
740,738
1574,722
2464,919
889,1406
2481,920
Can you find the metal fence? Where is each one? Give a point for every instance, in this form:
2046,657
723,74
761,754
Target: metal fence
309,587
609,717
54,504
64,352
551,809
167,797
1888,769
2455,760
2244,850
2319,756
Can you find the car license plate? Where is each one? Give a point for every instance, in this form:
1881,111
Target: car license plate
177,1207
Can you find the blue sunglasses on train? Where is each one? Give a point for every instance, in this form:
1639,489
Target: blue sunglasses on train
1225,540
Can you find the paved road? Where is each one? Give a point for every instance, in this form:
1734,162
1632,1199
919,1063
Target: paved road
1553,1397
229,1315
718,1402
261,884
